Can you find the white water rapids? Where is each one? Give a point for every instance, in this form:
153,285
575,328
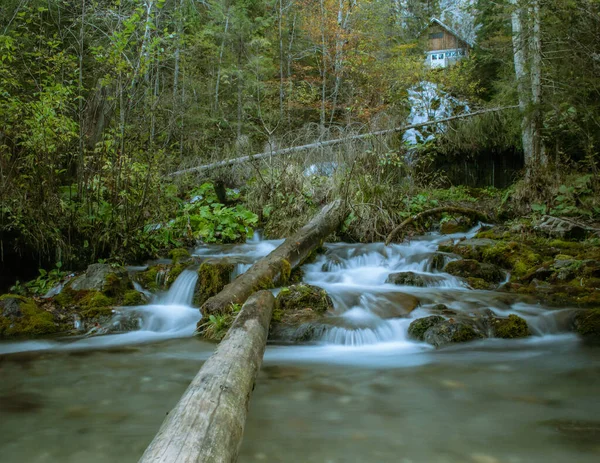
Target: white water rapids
370,315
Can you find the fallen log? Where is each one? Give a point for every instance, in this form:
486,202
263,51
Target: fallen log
207,424
275,268
322,144
474,213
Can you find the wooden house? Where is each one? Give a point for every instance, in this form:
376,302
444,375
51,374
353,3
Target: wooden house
445,46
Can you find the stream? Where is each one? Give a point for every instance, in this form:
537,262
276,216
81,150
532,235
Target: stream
364,392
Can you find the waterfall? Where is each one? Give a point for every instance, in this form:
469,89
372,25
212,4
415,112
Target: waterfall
181,291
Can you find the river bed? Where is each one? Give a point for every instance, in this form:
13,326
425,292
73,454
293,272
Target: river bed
363,392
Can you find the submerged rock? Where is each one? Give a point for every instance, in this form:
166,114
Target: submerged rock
469,268
449,332
419,327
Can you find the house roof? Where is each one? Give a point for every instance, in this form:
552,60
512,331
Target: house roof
452,31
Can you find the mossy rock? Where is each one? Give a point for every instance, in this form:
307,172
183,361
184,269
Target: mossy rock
133,297
469,268
99,313
180,255
417,328
512,327
480,283
212,278
160,277
112,281
451,332
587,325
468,249
22,317
455,226
519,258
407,279
304,296
299,313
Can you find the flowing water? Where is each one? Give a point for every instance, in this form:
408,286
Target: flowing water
364,392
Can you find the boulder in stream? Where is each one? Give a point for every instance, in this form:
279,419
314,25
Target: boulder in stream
469,268
587,324
417,328
299,313
512,327
451,332
406,279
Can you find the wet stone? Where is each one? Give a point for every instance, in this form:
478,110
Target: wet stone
419,327
407,279
450,332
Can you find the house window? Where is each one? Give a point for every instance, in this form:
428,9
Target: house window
436,35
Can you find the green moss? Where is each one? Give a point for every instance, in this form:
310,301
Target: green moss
286,271
492,234
33,320
264,283
511,328
465,333
116,285
173,273
478,283
518,258
160,277
565,244
303,296
212,278
96,312
67,297
95,299
418,328
179,254
150,278
133,297
587,324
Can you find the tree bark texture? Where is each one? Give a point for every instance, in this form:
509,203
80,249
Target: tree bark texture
275,268
337,141
207,424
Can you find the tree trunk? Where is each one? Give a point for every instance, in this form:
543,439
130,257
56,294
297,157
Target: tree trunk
336,141
207,424
524,90
535,50
527,52
275,268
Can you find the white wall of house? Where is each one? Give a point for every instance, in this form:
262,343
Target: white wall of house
444,58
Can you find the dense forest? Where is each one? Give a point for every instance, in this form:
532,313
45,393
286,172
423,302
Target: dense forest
101,101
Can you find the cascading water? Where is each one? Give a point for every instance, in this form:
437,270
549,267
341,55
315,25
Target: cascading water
170,315
370,311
